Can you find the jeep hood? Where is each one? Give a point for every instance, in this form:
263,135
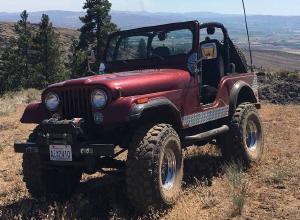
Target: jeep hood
134,82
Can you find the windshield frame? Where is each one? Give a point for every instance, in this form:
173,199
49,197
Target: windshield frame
173,61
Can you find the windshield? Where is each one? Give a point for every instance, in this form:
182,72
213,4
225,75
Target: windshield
148,45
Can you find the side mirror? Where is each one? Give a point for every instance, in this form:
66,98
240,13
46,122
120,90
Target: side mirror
102,68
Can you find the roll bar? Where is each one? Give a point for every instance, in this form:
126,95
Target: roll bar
226,41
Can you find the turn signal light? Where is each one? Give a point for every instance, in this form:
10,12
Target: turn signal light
142,101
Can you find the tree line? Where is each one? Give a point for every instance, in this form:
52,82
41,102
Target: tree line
35,58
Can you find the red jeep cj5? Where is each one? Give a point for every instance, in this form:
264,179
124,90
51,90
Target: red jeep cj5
165,88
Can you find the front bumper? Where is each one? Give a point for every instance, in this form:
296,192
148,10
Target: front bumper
65,132
78,150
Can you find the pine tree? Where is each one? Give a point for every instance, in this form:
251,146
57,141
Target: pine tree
24,44
142,49
96,27
77,61
49,66
10,80
16,68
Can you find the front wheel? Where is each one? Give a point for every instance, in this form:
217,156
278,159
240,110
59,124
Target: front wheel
245,141
49,183
154,167
41,181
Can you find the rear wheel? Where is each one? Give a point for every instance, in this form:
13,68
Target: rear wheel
244,143
154,167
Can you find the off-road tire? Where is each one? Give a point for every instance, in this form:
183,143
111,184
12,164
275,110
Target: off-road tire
234,145
242,56
44,182
238,57
144,164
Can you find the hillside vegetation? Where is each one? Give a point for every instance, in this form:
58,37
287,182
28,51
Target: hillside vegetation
65,35
37,55
270,60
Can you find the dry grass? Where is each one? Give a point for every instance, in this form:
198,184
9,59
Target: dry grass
9,101
267,191
1,147
278,176
238,188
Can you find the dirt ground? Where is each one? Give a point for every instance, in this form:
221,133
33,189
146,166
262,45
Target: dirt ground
270,190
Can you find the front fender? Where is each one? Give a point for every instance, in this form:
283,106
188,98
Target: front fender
137,111
34,113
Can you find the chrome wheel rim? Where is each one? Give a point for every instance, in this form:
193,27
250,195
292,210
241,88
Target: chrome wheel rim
251,135
168,169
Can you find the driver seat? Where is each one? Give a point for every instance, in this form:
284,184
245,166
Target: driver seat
212,72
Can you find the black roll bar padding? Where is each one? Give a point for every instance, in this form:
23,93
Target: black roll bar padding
226,42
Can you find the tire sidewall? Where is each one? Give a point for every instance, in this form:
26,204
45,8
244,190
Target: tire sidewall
252,156
171,142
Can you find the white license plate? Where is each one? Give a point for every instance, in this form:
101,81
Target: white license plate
60,152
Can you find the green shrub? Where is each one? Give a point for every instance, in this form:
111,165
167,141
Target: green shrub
238,188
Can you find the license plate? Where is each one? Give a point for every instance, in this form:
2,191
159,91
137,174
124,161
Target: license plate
60,152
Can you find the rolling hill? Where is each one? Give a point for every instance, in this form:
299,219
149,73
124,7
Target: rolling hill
267,32
275,39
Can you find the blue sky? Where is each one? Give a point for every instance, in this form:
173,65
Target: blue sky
272,7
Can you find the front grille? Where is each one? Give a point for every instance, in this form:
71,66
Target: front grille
76,103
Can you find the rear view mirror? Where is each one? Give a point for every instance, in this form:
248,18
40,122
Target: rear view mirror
211,30
209,51
162,36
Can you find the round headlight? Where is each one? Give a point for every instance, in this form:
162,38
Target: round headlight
98,99
52,101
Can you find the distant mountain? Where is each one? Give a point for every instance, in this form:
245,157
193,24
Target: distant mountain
123,19
269,32
66,19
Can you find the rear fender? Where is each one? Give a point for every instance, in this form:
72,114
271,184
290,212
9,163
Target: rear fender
34,113
242,92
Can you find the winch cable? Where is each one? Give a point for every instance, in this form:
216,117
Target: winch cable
249,42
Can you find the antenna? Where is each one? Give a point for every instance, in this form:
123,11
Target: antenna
142,5
249,42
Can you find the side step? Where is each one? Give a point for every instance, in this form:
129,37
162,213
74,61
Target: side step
209,134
